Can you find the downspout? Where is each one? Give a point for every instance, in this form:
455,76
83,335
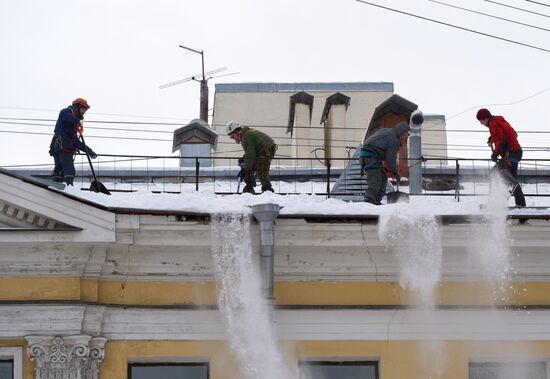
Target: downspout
415,153
266,214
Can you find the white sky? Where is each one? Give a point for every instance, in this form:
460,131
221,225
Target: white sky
117,53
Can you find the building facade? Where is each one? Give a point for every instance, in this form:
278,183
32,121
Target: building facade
89,291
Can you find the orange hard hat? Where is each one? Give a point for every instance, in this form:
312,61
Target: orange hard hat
80,101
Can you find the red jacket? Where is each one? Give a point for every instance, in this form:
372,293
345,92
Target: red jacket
503,135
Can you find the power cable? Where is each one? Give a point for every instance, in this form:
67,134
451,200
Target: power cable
101,114
249,124
169,140
454,26
498,104
539,3
516,8
92,127
490,15
279,137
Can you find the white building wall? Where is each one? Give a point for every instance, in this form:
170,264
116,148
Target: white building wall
434,139
268,111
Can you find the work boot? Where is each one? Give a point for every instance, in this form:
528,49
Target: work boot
249,189
519,197
268,188
372,201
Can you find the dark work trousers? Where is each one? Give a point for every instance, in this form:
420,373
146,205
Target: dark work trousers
263,164
376,185
64,167
514,157
508,169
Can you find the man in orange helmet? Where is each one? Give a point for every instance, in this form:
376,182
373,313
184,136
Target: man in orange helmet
65,142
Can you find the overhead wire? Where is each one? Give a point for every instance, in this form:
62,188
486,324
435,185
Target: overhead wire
262,125
516,8
101,114
284,126
499,104
454,26
538,3
490,15
433,146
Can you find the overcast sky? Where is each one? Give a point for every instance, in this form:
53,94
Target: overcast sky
116,54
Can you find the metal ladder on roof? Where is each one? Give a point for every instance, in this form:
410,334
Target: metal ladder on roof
350,186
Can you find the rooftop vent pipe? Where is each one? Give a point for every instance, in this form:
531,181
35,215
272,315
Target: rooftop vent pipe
266,215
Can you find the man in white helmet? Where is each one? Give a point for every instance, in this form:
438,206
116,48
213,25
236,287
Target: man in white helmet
259,150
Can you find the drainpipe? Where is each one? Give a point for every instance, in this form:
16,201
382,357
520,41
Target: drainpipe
266,215
415,153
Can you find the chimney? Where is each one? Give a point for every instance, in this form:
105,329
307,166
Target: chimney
334,119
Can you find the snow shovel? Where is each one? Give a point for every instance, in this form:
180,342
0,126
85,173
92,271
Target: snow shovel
501,166
397,196
239,181
96,185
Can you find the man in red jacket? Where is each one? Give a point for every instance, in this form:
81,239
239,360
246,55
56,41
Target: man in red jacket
504,139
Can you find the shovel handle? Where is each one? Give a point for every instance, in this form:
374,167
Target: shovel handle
88,156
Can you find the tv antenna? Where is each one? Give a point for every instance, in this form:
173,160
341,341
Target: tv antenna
203,80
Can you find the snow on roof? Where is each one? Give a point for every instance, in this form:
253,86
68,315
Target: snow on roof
208,203
151,198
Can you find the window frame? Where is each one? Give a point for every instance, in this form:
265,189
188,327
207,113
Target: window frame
342,362
160,363
14,354
503,362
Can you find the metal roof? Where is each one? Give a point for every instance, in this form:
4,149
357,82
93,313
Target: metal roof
197,131
395,104
297,87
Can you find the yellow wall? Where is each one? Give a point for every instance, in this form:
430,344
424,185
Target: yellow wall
424,360
398,359
286,293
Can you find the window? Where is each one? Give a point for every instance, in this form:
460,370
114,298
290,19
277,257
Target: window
11,363
168,371
507,370
6,368
338,370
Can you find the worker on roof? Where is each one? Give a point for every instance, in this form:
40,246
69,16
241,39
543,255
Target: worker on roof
503,141
380,147
259,150
65,142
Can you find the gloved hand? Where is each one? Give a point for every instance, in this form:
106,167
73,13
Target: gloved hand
397,177
362,165
494,156
241,161
92,154
489,141
241,174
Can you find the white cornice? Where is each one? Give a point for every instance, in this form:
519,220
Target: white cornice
18,321
31,203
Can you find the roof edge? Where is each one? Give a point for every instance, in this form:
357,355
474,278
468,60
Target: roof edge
297,87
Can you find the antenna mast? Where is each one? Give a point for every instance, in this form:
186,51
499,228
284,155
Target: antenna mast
204,87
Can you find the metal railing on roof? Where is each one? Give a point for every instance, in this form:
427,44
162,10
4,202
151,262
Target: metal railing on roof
341,178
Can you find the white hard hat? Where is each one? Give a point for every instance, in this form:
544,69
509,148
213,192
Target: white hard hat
232,127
